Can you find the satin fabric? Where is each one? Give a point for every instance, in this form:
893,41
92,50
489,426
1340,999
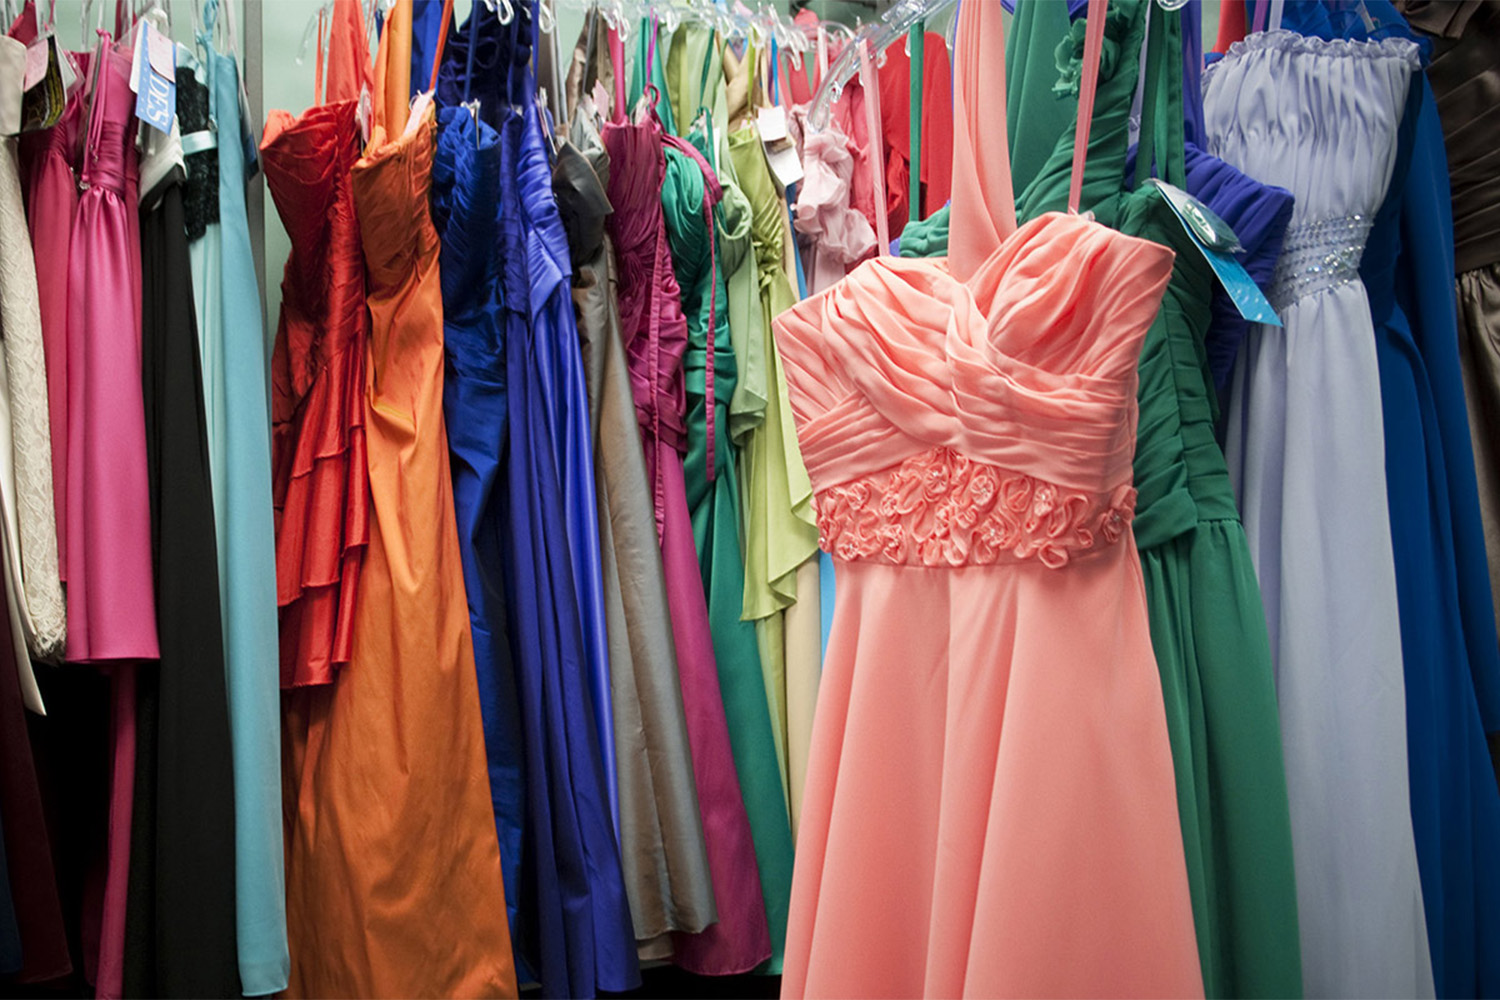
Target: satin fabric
231,335
320,481
1064,841
180,920
663,856
393,872
1304,440
655,334
466,178
692,202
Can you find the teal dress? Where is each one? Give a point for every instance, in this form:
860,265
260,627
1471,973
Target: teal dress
233,351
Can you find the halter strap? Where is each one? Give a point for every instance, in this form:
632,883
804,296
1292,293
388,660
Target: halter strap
984,204
1093,45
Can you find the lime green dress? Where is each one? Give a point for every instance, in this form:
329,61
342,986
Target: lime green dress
1207,622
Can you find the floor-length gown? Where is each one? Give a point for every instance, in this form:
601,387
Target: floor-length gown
394,884
111,603
231,334
320,484
663,857
1447,620
1207,621
576,934
180,923
656,338
689,209
1465,76
969,426
1306,454
466,182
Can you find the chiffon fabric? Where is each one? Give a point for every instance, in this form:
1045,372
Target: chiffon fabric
1465,77
231,334
663,857
1207,622
394,884
1307,457
320,481
655,334
969,426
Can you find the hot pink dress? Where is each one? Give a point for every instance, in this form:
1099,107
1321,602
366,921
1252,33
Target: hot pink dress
111,602
990,804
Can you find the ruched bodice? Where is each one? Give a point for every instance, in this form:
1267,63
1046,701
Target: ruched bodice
651,317
1271,117
466,188
1006,370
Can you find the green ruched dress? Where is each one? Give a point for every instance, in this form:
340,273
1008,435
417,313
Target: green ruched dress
1207,621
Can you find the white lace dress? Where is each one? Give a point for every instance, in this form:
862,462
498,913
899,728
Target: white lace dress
1306,451
32,579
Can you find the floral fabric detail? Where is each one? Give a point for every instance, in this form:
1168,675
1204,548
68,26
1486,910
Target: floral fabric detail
940,508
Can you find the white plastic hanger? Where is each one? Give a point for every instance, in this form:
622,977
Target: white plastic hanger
893,26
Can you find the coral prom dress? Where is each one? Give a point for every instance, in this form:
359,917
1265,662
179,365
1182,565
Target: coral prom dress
990,806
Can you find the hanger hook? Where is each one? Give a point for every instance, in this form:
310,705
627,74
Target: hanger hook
507,12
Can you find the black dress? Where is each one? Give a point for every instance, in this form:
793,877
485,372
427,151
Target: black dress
180,920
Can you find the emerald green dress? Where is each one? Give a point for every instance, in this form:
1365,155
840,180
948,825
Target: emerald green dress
701,266
1207,622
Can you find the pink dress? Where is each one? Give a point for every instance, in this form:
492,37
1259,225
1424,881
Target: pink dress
990,806
111,602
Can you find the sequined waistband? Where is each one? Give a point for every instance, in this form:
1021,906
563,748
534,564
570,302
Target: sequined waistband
1317,257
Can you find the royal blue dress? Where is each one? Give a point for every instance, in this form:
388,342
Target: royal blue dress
466,175
1452,666
517,361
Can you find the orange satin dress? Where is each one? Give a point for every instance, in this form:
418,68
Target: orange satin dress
393,868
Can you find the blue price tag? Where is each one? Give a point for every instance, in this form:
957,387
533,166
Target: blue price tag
1203,226
155,94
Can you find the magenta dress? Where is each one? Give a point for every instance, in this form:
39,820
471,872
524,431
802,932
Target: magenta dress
111,607
656,338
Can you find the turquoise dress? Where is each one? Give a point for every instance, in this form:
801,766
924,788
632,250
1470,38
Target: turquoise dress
233,350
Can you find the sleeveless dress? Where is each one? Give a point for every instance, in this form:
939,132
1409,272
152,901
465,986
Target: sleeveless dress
1304,443
180,921
1207,622
1447,622
968,425
405,899
663,857
320,481
1465,76
689,209
466,180
231,333
655,332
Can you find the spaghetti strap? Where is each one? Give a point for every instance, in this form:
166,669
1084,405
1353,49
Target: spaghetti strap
442,40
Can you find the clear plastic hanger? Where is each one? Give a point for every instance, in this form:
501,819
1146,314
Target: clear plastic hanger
880,35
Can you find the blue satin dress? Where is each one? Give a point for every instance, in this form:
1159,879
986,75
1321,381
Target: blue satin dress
571,925
466,175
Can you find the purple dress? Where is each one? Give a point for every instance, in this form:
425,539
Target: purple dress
656,339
